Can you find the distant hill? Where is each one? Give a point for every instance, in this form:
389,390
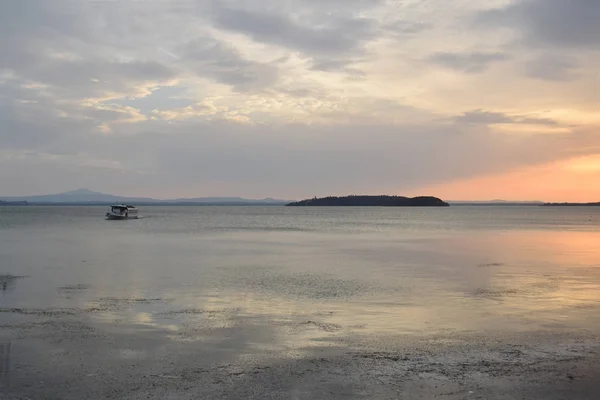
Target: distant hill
13,203
86,196
368,201
76,196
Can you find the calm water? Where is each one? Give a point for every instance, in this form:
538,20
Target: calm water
371,269
247,281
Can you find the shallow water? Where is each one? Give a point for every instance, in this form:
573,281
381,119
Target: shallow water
229,284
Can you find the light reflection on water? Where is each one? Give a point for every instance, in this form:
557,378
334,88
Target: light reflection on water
307,275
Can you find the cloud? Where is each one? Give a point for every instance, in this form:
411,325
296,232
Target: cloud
471,63
211,58
342,66
205,108
403,28
292,98
285,159
289,160
326,36
110,113
51,44
550,23
490,117
551,67
245,156
97,78
330,65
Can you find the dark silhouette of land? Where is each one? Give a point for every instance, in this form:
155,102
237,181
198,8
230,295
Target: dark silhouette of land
371,201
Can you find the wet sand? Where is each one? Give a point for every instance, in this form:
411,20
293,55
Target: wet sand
219,354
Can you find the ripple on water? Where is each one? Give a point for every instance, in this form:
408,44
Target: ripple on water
303,285
493,293
8,281
117,303
74,288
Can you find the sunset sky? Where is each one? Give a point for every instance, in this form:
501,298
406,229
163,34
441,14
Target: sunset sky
459,99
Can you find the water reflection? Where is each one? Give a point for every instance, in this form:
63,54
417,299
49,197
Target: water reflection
310,285
382,286
8,282
177,298
4,359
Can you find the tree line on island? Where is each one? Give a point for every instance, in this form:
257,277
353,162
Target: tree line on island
371,201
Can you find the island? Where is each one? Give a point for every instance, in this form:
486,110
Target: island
371,201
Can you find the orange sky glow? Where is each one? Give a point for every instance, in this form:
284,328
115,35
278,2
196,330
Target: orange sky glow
470,100
573,180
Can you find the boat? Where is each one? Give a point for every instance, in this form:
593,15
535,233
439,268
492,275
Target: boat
122,211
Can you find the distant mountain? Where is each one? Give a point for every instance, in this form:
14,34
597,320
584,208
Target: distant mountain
76,196
371,201
13,203
86,196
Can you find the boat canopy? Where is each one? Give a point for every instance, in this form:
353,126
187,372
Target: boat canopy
122,206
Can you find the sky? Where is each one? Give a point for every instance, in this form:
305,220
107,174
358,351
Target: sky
291,99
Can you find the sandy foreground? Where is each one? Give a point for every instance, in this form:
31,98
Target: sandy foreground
65,354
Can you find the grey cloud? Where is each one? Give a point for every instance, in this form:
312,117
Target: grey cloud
562,23
484,117
339,66
489,118
208,57
472,63
329,32
34,121
36,126
301,92
88,49
323,160
58,44
260,160
551,67
536,121
405,28
331,35
89,78
353,5
330,65
42,17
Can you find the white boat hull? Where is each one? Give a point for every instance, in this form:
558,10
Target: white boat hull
116,216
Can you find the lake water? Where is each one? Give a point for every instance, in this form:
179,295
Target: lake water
199,287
